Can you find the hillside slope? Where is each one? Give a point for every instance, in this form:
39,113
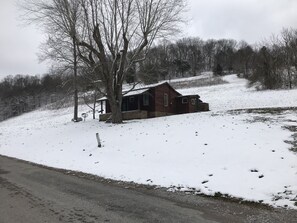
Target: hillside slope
236,95
218,152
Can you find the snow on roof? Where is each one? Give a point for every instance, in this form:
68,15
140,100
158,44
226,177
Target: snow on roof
139,89
139,86
189,95
136,92
130,93
142,86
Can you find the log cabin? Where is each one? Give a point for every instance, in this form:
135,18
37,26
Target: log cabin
154,101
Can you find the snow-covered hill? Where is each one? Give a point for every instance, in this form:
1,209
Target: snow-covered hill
240,154
236,95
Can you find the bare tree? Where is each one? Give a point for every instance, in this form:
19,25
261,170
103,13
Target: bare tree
224,55
118,34
92,89
288,44
209,52
194,53
243,58
60,20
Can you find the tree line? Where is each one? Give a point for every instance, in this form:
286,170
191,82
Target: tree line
271,64
275,62
23,93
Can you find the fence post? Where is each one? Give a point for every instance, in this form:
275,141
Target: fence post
98,140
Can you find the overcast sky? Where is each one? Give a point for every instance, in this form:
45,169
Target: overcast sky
250,20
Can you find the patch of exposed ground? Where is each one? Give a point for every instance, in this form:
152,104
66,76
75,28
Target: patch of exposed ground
272,115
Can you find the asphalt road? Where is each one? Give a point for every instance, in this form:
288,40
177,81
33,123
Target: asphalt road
31,193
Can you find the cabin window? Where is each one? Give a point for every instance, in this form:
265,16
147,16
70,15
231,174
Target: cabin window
166,100
184,100
193,101
131,99
145,99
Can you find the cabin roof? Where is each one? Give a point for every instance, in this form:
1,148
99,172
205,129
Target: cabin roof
135,92
189,95
141,90
130,93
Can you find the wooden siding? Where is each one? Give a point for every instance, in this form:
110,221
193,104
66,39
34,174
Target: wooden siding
190,106
159,92
150,106
203,106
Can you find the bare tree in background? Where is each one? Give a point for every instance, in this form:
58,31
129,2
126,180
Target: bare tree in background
209,49
118,34
60,20
243,59
288,43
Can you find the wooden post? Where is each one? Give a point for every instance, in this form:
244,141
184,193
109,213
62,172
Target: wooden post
98,140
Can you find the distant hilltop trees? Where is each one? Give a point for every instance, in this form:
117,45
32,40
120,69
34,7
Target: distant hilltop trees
23,93
271,64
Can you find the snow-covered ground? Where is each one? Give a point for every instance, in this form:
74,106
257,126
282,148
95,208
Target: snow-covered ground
242,155
236,95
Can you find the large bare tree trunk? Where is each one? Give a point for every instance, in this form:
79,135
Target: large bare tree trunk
116,113
115,101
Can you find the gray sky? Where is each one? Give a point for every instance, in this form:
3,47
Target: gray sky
250,20
18,43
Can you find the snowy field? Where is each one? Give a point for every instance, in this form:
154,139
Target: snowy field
236,154
235,95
